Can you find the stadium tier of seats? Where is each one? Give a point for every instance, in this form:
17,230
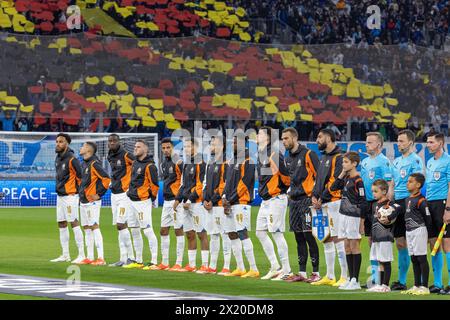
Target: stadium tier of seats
146,82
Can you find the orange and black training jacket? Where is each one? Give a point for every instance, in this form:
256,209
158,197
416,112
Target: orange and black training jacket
329,170
302,166
144,180
273,176
120,162
214,182
192,182
171,174
68,173
94,179
239,182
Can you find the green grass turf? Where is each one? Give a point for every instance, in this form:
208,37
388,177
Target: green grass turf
30,238
4,296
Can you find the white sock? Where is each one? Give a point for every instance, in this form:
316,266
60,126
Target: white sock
330,255
98,238
180,249
138,243
192,254
122,248
89,240
78,235
226,247
125,239
153,244
248,249
303,274
283,251
214,248
205,256
269,250
64,237
340,247
236,246
165,245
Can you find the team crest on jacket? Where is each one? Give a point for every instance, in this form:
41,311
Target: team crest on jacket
86,171
299,163
437,175
371,174
327,164
171,170
216,169
119,163
139,170
64,166
192,170
403,173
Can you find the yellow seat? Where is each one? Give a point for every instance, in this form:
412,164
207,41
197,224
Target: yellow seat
133,123
306,117
121,86
142,111
156,104
261,91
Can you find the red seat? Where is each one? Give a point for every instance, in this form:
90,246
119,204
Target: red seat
36,89
46,107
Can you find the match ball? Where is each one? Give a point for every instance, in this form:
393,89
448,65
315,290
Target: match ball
386,211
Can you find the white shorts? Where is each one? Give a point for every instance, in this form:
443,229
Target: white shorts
90,213
67,208
333,216
272,214
141,211
381,251
120,206
215,219
169,218
417,241
239,219
195,218
349,227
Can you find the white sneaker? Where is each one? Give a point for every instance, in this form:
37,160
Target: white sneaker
352,285
272,274
344,285
282,276
62,258
78,260
385,288
375,288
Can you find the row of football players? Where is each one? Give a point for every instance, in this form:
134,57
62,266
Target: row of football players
220,205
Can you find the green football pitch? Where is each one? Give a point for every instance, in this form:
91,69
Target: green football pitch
29,239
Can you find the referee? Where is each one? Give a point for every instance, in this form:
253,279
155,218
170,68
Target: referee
302,164
403,166
374,167
438,197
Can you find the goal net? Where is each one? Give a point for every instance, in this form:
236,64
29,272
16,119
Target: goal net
27,163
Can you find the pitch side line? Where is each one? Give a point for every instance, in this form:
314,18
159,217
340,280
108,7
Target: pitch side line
60,289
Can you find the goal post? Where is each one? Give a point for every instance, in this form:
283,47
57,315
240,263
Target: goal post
27,163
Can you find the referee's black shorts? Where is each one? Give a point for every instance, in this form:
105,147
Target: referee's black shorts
399,224
300,219
368,218
437,209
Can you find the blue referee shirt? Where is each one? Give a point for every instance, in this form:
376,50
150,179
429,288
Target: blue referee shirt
373,169
438,177
402,168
